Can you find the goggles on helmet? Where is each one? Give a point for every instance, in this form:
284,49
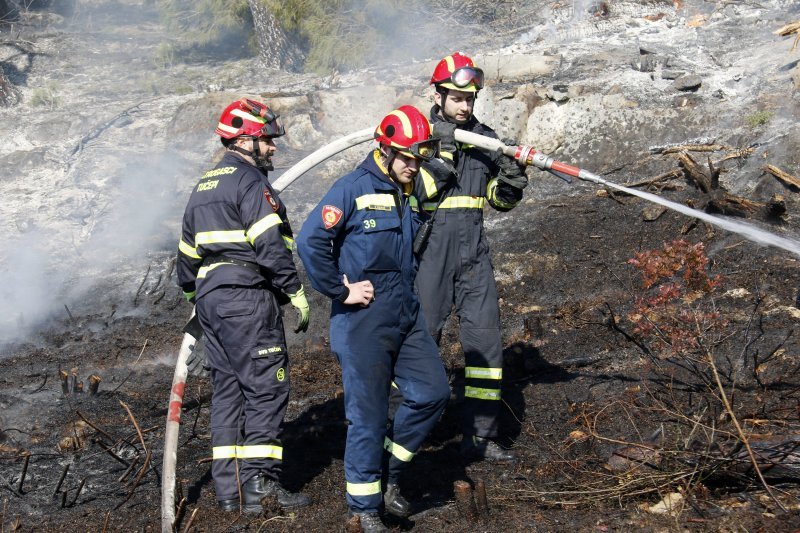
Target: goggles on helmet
424,150
463,76
273,126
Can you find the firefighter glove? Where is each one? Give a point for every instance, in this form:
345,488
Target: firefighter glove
189,296
445,132
300,303
511,172
197,362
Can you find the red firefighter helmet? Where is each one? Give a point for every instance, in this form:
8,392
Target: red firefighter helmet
248,117
408,131
458,72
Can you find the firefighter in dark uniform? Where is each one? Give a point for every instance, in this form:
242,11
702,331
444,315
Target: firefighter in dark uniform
356,246
235,263
455,270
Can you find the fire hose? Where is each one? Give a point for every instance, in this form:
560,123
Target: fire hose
526,155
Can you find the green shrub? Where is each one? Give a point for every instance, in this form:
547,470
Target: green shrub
760,118
46,97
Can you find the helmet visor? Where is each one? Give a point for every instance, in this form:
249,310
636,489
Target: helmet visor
273,126
424,150
464,76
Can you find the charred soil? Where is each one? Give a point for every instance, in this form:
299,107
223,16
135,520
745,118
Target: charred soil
581,389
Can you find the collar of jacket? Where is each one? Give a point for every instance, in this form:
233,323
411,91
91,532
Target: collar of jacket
374,166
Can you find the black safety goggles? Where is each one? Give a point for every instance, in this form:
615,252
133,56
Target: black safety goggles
424,150
273,126
463,76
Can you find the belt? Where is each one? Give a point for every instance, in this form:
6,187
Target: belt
213,261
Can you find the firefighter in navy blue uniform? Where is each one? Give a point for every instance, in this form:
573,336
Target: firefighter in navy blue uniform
455,270
356,246
234,263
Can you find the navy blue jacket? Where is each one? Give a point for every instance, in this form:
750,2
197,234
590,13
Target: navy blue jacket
234,213
363,228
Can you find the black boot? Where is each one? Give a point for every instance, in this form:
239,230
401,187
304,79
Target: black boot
394,502
477,448
252,492
287,500
370,522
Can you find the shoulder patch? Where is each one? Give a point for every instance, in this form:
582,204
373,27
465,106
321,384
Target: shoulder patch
331,215
270,200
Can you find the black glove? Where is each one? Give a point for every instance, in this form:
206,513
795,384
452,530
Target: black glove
445,132
197,362
511,172
441,170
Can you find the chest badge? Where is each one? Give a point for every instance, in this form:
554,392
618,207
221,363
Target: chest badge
331,215
270,200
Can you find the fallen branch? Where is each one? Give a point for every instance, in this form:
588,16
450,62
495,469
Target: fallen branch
785,177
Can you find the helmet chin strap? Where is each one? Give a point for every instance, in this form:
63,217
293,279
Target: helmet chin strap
262,161
390,157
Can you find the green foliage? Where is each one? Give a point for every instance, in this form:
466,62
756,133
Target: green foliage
674,312
46,97
346,34
202,23
164,56
759,118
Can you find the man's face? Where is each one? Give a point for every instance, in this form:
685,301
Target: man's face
457,106
404,168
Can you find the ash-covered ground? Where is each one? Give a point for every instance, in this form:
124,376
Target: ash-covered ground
614,432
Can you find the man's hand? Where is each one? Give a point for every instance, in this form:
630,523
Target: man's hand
361,292
445,132
300,303
511,172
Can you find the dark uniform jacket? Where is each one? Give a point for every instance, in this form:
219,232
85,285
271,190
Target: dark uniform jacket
235,232
363,228
476,171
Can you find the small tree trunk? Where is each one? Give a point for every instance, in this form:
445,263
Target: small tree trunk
276,49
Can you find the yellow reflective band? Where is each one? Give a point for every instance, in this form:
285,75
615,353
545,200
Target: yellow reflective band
364,489
457,202
225,127
188,250
203,272
428,182
404,121
383,202
397,450
412,201
446,155
213,237
481,394
259,451
262,225
248,116
223,452
394,385
483,373
288,241
451,64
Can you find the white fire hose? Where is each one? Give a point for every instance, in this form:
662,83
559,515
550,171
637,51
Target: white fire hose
190,338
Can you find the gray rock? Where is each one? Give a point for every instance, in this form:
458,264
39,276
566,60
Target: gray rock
690,82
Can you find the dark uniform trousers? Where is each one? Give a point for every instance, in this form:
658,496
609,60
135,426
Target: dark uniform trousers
246,351
456,274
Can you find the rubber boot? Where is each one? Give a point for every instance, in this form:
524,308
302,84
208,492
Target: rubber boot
370,522
478,448
394,503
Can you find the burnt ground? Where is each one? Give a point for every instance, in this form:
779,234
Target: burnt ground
578,387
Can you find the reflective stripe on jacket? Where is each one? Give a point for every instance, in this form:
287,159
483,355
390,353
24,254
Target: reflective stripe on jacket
234,212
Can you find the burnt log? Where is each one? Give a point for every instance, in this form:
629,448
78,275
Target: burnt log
8,93
728,204
706,181
785,177
276,49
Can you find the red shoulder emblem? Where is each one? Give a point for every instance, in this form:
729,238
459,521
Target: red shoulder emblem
331,215
270,200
